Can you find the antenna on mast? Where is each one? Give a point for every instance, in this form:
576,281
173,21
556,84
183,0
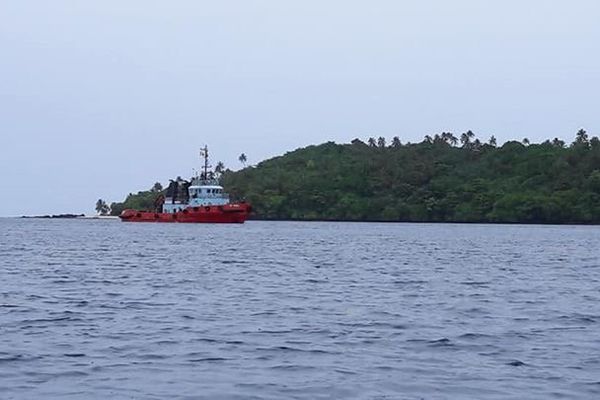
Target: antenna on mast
204,155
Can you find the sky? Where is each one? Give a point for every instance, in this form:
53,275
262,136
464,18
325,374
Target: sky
100,99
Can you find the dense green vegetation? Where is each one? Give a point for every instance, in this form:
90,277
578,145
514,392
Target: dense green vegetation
443,178
143,200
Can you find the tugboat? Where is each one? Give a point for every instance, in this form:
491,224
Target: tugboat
200,200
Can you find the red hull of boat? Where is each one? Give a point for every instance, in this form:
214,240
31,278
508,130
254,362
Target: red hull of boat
227,214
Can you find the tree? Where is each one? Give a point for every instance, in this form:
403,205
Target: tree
581,138
243,159
157,187
465,139
116,208
420,182
220,168
525,141
102,208
558,143
381,142
492,141
396,142
449,138
372,142
427,139
593,181
99,204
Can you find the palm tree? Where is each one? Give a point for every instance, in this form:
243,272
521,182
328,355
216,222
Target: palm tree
558,143
381,142
492,141
465,138
101,207
453,139
396,142
243,159
581,137
219,168
449,138
372,142
428,139
99,204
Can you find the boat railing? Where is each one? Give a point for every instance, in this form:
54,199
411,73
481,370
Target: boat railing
210,196
205,182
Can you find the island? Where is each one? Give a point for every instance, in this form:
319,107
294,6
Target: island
444,178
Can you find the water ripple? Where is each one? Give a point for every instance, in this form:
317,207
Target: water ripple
270,310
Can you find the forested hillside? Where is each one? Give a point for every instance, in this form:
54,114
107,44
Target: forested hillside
444,178
438,179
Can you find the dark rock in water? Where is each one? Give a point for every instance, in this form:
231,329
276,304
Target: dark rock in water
58,216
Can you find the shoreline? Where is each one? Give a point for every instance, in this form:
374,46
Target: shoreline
114,217
67,216
427,222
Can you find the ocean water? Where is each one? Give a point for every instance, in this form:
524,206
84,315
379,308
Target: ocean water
290,310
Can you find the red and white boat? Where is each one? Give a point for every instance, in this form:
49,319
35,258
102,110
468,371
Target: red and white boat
200,200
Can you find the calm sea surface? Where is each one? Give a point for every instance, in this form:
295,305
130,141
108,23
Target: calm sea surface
284,310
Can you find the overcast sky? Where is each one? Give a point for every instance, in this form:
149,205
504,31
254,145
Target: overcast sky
99,99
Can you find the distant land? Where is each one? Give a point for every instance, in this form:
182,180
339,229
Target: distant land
55,216
444,178
68,216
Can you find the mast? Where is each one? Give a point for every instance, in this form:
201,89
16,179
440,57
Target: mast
204,154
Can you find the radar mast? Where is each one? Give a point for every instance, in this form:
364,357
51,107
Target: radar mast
204,155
